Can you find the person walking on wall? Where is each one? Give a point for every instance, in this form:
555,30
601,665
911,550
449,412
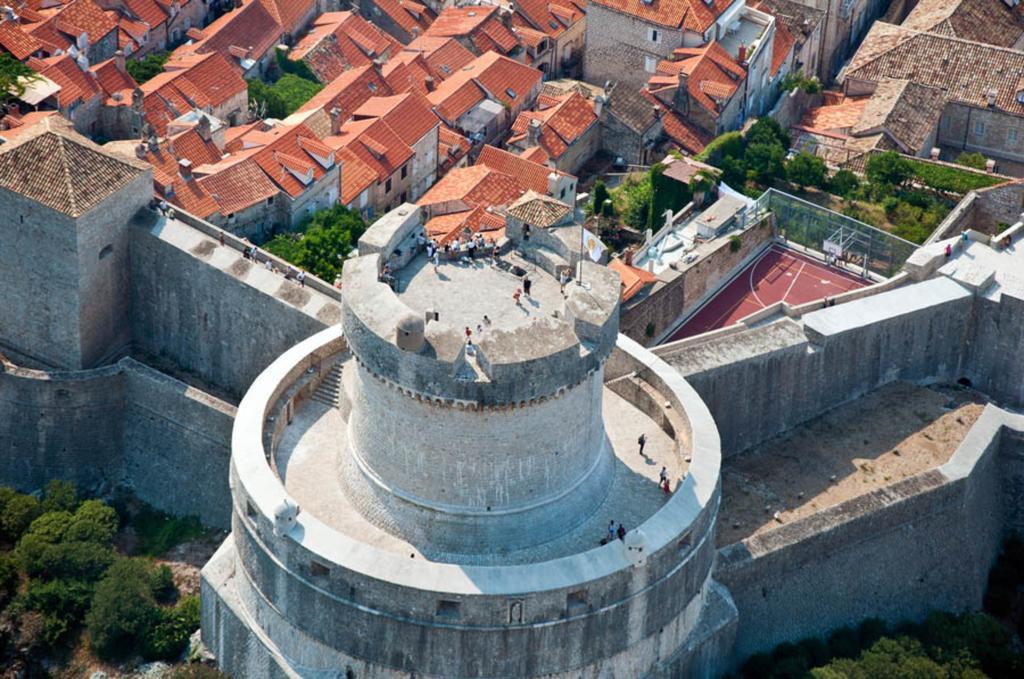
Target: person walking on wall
642,441
516,295
302,278
663,476
621,532
611,530
527,284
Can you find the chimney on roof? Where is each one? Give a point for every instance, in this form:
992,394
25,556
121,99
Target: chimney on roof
990,96
599,102
140,150
335,114
153,144
185,168
741,55
203,128
429,83
119,60
533,133
9,14
657,111
13,110
934,155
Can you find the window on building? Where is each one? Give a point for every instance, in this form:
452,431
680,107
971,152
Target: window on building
387,186
405,171
979,128
650,64
1011,136
653,35
403,197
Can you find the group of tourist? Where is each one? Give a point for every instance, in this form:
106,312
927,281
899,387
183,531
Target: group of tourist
251,252
481,327
457,249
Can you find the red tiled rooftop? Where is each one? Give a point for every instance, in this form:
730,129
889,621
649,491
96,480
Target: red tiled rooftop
530,174
19,42
693,15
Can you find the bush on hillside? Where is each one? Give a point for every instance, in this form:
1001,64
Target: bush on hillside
806,169
123,610
843,183
19,511
59,496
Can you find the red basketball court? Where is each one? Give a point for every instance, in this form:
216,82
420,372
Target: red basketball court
778,274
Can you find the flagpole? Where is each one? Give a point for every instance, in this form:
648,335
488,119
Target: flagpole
579,278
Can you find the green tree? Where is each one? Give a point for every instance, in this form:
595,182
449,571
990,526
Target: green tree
888,169
976,160
59,496
598,205
264,101
734,171
13,75
8,578
18,514
727,145
767,131
666,194
843,183
765,161
62,603
169,635
637,196
294,66
146,68
806,169
123,609
328,236
294,91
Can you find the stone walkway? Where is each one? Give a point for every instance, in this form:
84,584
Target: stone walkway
307,461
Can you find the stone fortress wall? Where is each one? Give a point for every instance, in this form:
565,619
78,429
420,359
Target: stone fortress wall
207,317
898,552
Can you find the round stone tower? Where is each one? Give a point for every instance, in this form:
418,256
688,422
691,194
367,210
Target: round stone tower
427,490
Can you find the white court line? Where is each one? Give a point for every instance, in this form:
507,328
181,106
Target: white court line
750,276
793,282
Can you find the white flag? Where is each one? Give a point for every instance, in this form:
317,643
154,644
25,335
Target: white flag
593,245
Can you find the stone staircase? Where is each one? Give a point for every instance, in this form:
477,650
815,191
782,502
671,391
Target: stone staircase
329,390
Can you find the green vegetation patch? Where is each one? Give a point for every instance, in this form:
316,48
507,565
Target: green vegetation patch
158,532
282,98
325,238
148,67
951,179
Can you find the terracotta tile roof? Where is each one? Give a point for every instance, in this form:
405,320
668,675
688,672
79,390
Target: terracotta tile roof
475,186
407,72
685,134
633,278
375,143
249,28
839,117
906,111
537,154
209,81
408,115
507,80
53,165
356,176
285,155
551,18
446,228
147,11
342,40
75,84
477,23
456,96
289,14
412,17
77,16
12,127
563,122
537,209
19,42
530,174
801,20
348,92
710,73
451,147
112,79
636,112
693,15
444,56
239,186
190,196
966,71
782,46
986,21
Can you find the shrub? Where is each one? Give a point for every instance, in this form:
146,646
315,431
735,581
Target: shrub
94,521
797,80
145,69
162,584
8,578
295,91
844,643
767,130
888,169
62,603
806,169
59,496
843,183
169,636
666,194
728,145
735,243
63,545
197,671
597,204
649,330
296,67
636,195
976,160
765,161
19,513
329,234
123,610
951,179
158,532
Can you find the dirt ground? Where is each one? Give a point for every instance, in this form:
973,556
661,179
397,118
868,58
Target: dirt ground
188,558
889,435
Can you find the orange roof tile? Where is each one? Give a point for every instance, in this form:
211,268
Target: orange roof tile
19,42
563,121
250,27
289,14
409,115
112,79
693,15
75,85
475,186
356,176
348,92
77,16
444,56
411,17
375,143
209,80
446,228
284,155
192,197
342,40
239,186
633,278
530,174
451,147
782,46
711,75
